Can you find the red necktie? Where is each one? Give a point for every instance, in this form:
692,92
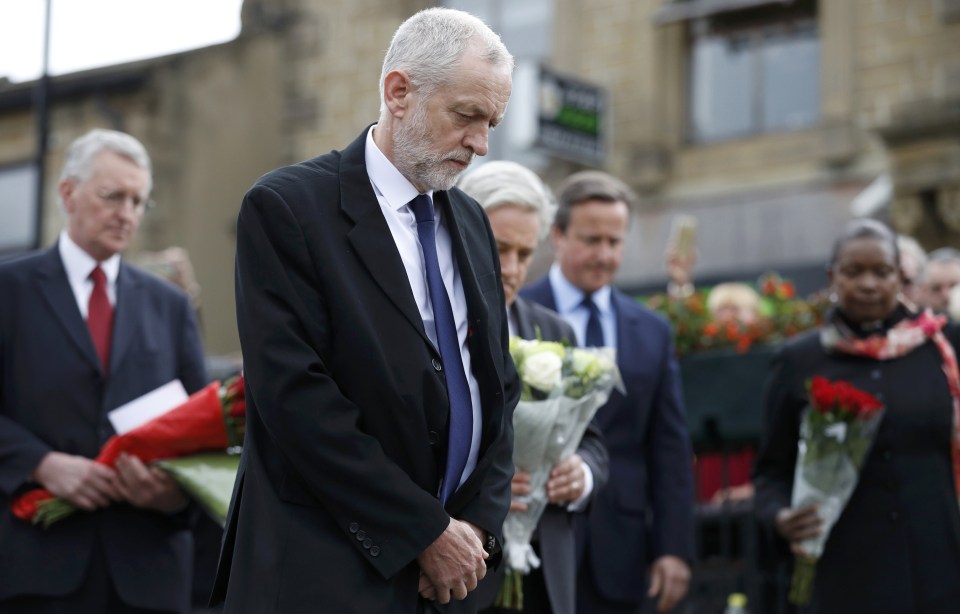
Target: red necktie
100,317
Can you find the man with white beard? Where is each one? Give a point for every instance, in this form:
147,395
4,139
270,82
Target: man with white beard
376,467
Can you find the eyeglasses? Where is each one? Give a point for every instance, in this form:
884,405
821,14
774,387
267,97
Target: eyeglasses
115,200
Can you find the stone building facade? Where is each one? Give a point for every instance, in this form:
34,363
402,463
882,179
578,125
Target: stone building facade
766,119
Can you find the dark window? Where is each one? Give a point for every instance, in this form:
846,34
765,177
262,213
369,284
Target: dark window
753,72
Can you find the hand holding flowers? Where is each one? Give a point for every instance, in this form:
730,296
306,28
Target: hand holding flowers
211,419
562,389
836,432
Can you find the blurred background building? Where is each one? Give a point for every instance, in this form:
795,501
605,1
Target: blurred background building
771,121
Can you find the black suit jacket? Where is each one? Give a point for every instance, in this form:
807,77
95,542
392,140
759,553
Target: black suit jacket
54,396
555,531
646,510
896,545
346,404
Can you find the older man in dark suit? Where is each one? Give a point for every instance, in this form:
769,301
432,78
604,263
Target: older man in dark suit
376,470
646,511
521,210
82,332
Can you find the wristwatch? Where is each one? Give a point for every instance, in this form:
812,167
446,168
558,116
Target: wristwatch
494,551
490,544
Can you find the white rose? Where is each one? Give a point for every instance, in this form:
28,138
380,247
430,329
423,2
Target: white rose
542,371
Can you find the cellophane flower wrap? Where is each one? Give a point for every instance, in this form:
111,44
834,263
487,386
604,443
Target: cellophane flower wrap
836,432
562,388
213,418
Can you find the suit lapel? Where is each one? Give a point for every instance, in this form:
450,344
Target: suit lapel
126,316
456,226
521,317
542,292
55,289
370,235
489,372
628,330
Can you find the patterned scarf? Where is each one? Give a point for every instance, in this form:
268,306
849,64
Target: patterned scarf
901,339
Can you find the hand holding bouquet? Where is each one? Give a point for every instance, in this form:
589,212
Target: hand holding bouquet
563,388
211,419
836,433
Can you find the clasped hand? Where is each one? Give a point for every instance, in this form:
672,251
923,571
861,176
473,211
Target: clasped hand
89,485
453,564
798,524
566,484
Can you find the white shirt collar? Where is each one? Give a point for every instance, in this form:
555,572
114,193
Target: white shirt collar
79,264
570,297
389,183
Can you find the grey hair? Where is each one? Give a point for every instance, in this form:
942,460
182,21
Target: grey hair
941,255
911,247
944,254
500,182
79,158
429,46
865,228
590,185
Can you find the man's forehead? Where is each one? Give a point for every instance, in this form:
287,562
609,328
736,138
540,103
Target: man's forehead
944,266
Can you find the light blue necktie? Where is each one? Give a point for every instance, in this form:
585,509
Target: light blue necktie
461,405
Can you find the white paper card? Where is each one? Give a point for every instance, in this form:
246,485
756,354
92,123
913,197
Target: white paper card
147,407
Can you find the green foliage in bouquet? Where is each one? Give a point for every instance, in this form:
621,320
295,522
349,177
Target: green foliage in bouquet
562,389
782,315
836,433
550,368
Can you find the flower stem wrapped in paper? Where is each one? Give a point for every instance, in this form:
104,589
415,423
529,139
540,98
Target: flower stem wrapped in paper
211,419
563,388
836,432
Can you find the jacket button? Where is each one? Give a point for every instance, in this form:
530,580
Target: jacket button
367,543
375,551
361,535
875,374
436,365
894,516
433,437
887,455
354,527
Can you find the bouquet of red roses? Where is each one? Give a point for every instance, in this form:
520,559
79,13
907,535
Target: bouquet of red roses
836,433
211,419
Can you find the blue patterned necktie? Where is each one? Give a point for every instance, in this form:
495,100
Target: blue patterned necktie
461,405
594,336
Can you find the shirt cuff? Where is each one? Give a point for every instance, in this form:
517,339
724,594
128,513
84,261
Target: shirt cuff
580,504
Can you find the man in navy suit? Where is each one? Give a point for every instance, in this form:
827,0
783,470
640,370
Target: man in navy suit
82,332
520,210
646,511
376,467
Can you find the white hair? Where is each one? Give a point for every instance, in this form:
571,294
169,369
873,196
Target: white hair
79,158
909,246
430,44
953,305
501,182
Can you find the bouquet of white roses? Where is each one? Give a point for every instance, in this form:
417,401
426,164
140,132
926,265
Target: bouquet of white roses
563,388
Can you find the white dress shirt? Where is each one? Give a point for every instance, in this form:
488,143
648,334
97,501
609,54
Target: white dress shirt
79,264
393,192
